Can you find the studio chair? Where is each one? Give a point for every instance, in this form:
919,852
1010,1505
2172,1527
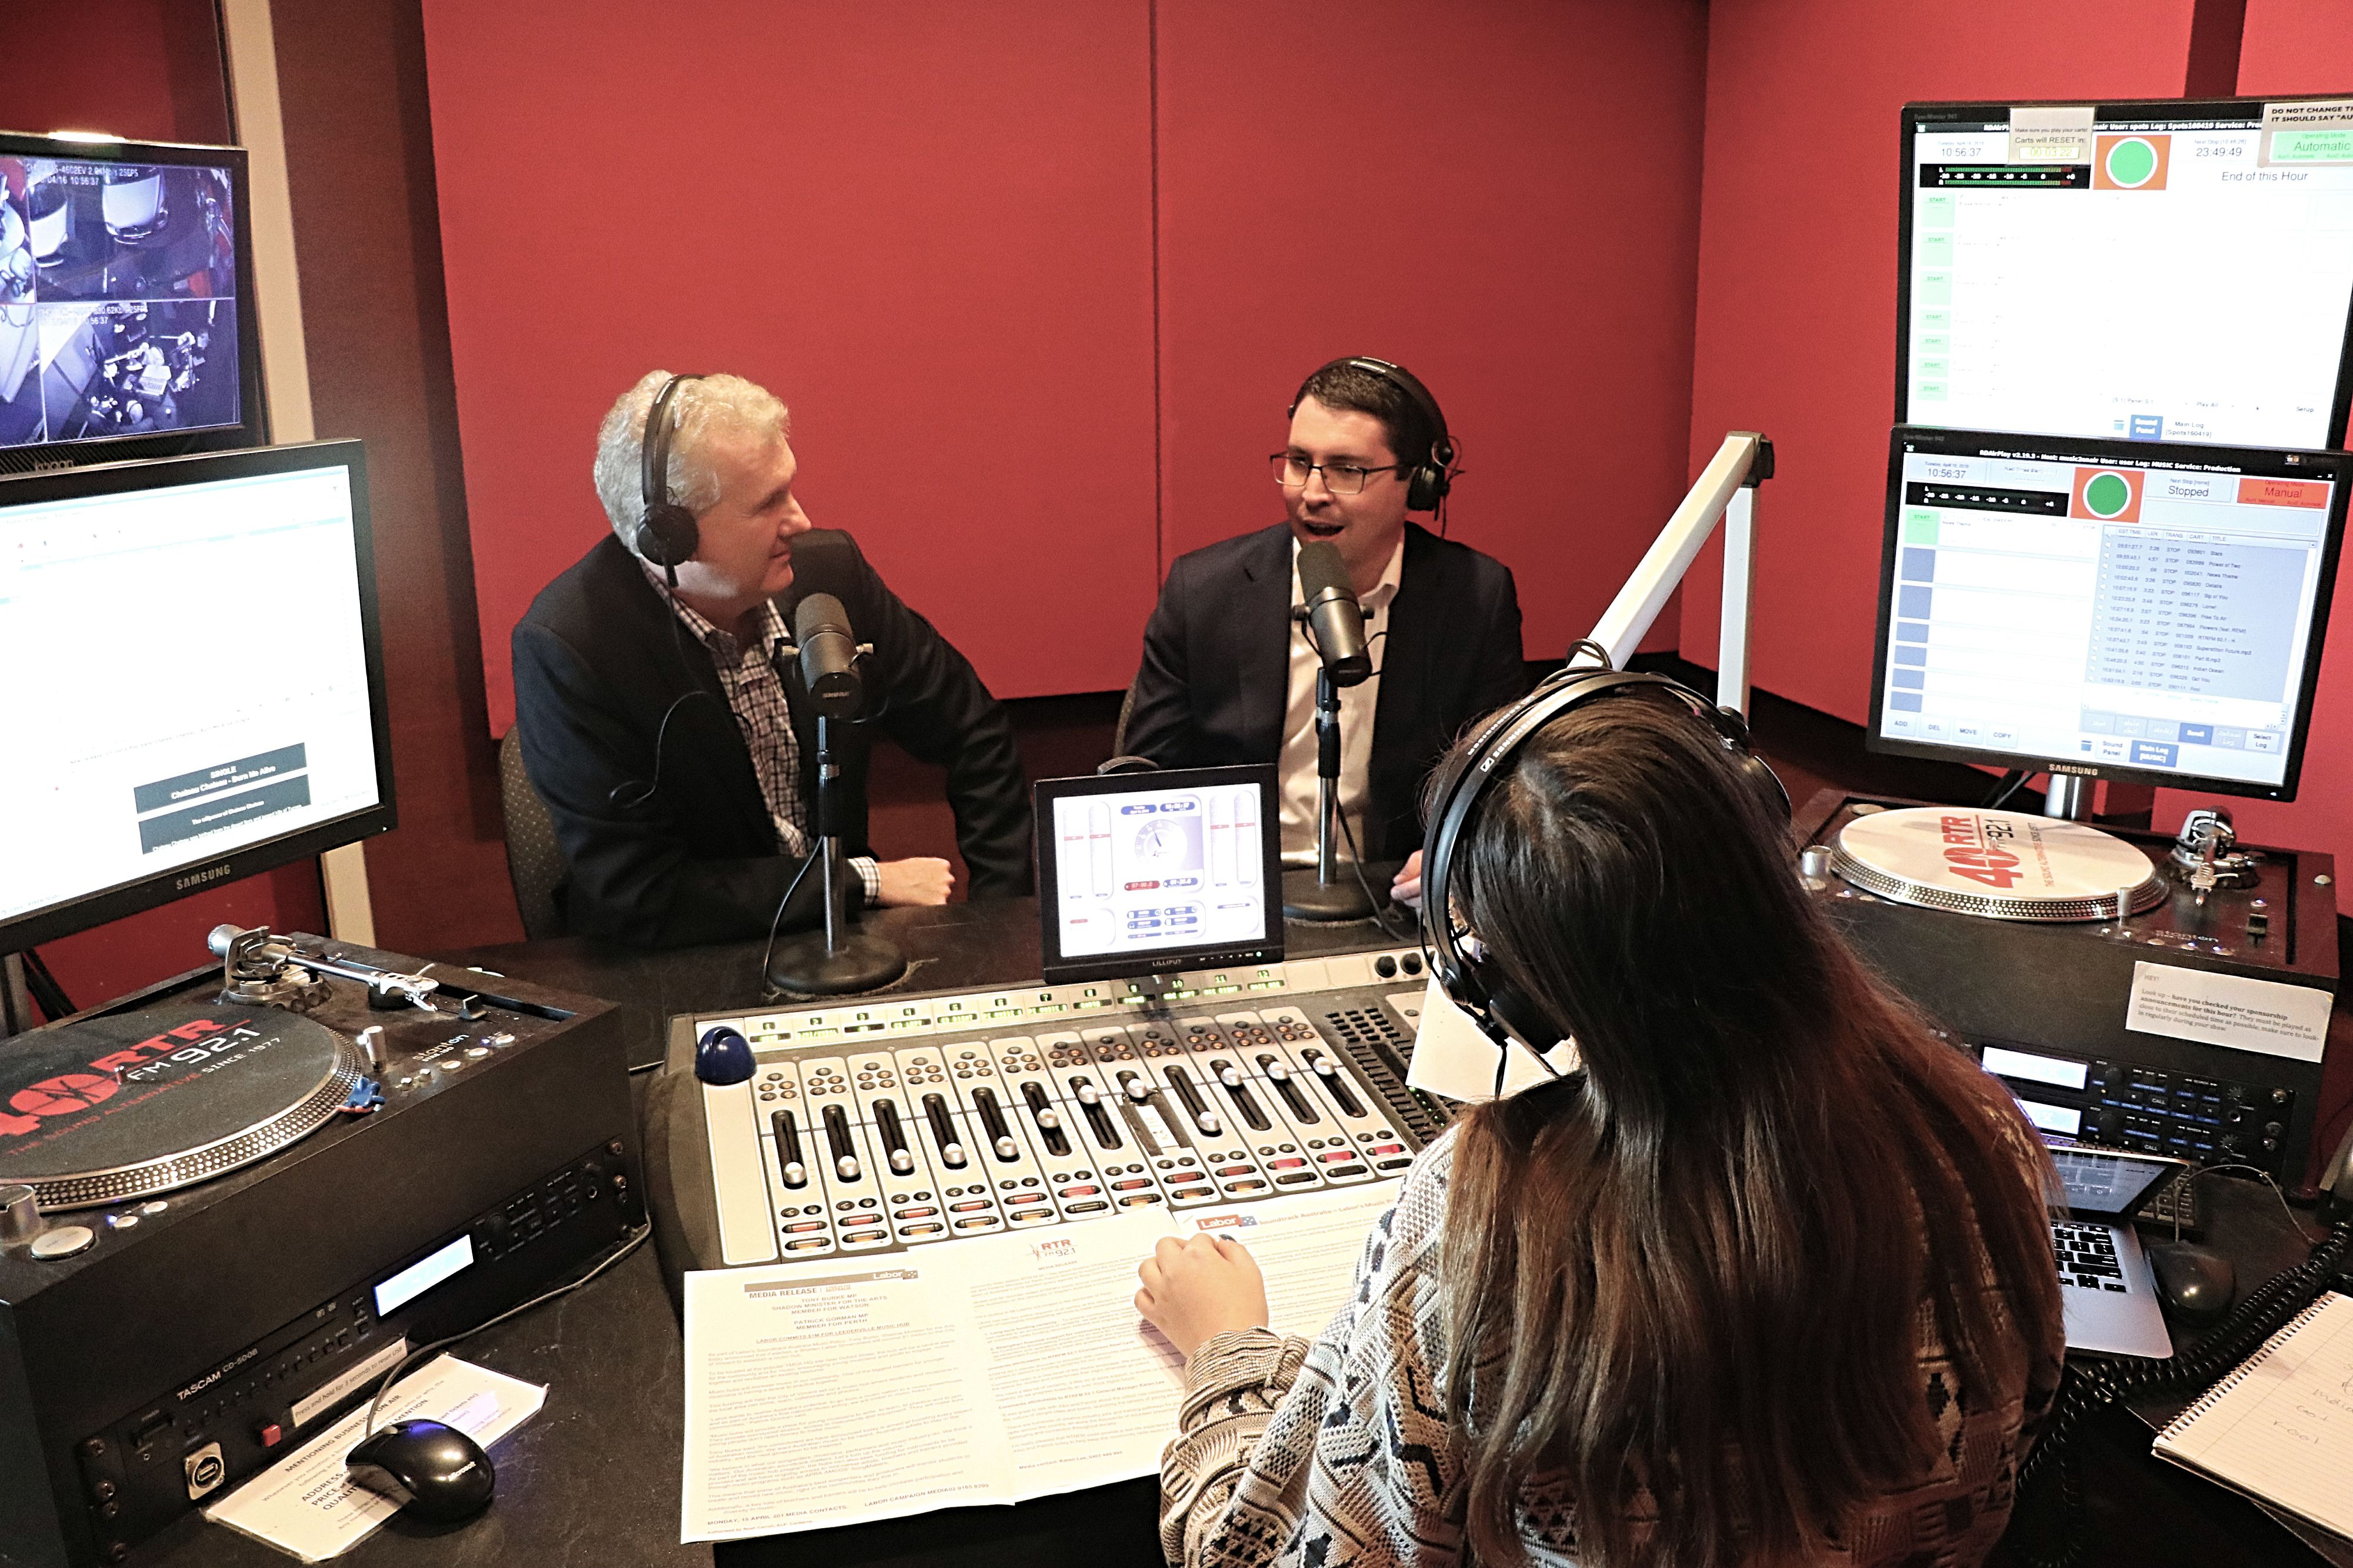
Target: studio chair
535,863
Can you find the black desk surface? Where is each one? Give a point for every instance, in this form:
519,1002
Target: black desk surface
594,1479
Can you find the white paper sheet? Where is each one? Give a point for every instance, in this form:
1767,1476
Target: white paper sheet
308,1504
2235,1010
991,1370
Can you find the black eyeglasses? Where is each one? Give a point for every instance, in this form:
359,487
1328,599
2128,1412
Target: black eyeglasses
1340,479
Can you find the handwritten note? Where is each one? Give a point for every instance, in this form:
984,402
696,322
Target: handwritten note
2281,1427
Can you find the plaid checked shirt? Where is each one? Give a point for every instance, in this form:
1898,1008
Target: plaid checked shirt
755,695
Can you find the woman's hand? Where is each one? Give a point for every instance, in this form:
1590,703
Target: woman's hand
1200,1287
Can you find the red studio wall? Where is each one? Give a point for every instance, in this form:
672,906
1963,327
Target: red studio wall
941,231
1796,275
1506,203
927,226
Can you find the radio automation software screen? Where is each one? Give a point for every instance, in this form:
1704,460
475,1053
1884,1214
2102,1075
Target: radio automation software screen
2150,272
195,675
2139,612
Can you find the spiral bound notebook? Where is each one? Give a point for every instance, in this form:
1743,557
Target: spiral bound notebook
2280,1428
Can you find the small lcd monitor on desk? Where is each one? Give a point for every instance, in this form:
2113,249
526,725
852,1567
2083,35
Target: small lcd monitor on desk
1158,872
2105,609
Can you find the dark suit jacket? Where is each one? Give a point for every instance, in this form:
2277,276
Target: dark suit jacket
598,665
1216,666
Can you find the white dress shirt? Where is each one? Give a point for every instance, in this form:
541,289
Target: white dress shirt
1358,705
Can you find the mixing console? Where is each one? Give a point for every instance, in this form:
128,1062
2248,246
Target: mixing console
883,1125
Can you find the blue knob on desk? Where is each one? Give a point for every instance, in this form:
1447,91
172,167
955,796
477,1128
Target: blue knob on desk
722,1055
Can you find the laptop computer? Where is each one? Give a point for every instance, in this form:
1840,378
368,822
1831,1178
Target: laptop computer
2106,1286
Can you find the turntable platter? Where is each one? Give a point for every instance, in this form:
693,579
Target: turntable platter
2004,865
117,1108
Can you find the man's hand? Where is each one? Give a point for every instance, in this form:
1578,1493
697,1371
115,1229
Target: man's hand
1198,1288
922,881
1407,889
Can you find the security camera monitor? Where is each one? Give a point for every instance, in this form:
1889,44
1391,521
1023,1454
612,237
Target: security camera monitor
202,691
1150,872
2151,272
126,301
2110,609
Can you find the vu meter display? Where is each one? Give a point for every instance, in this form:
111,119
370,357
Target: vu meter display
1143,868
2150,271
2110,609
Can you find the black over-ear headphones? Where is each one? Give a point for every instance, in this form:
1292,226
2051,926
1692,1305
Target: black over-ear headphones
666,536
1503,1013
1434,476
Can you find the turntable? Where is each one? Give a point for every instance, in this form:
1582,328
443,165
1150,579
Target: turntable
2004,865
230,1204
2039,943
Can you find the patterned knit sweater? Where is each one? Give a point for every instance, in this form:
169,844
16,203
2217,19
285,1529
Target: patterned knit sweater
1337,1453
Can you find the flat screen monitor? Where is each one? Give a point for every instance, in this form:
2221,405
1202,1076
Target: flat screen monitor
1150,872
196,688
2105,608
126,301
2159,271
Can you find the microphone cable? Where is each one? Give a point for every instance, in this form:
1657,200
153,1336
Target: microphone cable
639,792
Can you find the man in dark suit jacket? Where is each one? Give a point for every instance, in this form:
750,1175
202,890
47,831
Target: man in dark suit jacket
1226,675
678,759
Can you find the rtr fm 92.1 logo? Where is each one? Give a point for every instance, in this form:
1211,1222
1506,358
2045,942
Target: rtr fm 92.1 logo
1979,850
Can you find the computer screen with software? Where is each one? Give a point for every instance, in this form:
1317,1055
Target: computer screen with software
2104,608
196,688
1147,872
2156,271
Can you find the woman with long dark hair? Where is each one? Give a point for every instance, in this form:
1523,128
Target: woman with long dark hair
1769,1281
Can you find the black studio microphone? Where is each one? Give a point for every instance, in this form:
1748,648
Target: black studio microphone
824,565
828,656
1333,614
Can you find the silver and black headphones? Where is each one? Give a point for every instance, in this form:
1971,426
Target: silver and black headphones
666,534
1507,1016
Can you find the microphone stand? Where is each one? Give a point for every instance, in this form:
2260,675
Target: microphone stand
1320,897
833,962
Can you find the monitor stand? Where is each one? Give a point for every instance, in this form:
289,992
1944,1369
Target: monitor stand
2069,798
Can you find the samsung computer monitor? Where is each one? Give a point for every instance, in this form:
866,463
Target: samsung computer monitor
195,691
126,301
2161,271
2104,608
1146,873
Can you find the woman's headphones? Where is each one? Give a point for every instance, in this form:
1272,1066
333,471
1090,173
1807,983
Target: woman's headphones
666,535
1434,476
1505,1016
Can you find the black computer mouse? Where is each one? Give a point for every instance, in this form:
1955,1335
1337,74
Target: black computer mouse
435,1472
2197,1284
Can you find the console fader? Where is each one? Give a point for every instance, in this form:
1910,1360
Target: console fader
881,1126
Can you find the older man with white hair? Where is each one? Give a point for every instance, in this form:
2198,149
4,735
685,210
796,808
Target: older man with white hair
675,752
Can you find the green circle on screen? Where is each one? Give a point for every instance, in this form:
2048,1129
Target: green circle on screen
2106,495
2131,162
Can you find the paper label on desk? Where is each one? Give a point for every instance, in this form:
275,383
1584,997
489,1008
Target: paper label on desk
308,1504
990,1370
2200,1005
